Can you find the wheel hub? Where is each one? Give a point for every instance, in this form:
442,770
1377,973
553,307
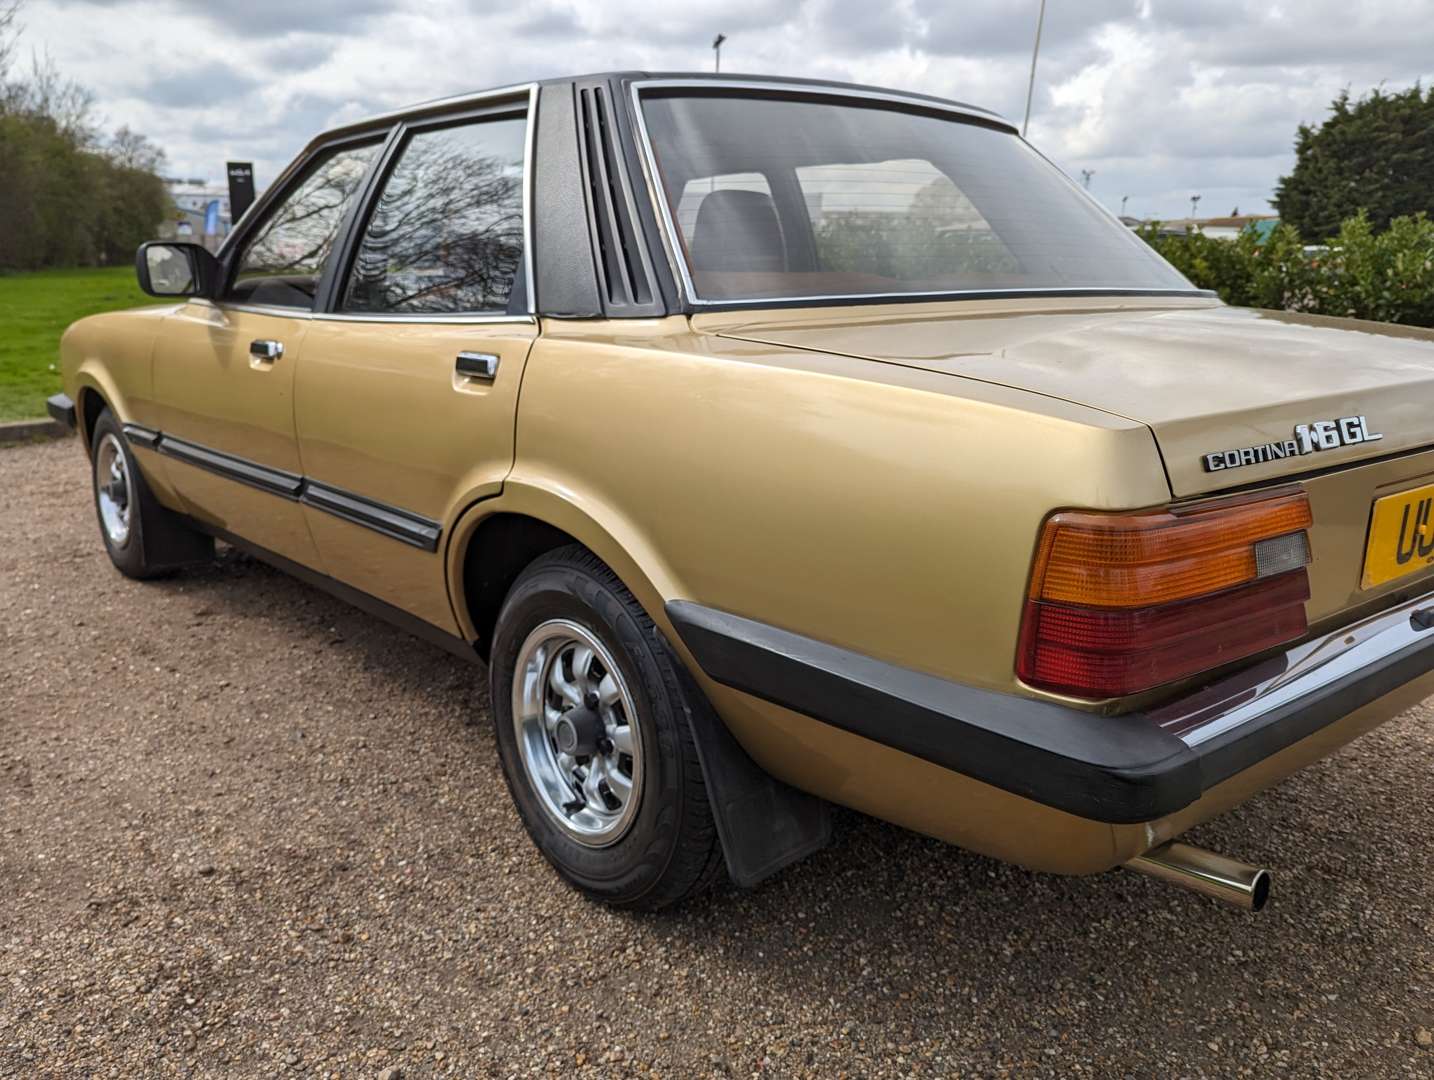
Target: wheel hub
577,732
112,489
576,725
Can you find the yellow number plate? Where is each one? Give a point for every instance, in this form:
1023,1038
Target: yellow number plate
1401,536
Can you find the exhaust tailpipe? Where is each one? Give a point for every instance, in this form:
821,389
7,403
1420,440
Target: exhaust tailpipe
1205,872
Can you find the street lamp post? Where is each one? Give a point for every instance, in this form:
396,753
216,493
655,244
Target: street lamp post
717,52
1085,175
1194,202
1031,83
1123,200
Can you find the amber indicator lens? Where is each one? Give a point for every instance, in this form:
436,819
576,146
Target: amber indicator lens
1121,603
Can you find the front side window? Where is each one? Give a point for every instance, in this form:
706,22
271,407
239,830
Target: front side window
446,234
283,260
791,197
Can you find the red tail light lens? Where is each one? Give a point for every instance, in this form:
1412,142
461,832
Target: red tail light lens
1121,603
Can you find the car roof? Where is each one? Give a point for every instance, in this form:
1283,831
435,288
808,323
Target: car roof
726,78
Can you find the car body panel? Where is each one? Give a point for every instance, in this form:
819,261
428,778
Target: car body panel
1204,376
382,412
110,355
821,487
211,392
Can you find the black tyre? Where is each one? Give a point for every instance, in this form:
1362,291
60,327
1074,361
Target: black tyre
593,731
144,540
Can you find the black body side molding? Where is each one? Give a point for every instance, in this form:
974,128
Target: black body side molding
391,521
380,517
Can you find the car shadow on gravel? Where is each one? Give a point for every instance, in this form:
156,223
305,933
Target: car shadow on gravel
892,929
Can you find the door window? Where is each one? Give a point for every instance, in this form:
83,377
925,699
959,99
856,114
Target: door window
445,235
284,259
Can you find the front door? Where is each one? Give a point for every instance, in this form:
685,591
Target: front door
407,396
224,371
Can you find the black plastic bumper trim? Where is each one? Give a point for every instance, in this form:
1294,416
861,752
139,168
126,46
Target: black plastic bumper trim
1115,769
1112,769
62,410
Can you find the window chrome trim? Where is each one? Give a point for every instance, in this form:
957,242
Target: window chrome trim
672,237
438,105
399,117
336,316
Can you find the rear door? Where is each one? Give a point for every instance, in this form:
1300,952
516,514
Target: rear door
406,400
224,371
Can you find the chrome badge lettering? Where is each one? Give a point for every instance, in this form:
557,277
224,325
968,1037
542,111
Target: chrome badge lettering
1309,438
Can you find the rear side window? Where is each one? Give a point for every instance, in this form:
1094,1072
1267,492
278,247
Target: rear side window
445,235
284,258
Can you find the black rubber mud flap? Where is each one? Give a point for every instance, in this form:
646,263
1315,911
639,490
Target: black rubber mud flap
171,541
764,825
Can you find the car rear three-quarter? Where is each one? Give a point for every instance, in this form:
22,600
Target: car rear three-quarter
778,443
1005,533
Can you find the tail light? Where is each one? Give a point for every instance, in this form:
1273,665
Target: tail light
1120,603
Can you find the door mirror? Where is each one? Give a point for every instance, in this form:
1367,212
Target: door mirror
176,269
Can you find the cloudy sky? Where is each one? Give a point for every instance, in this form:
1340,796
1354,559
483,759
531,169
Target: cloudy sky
1161,98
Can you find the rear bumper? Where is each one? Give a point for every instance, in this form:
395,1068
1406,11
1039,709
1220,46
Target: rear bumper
61,409
1112,769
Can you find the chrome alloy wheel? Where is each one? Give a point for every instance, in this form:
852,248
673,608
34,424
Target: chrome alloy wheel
113,488
577,732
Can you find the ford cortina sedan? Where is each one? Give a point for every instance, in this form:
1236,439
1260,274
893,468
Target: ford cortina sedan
781,443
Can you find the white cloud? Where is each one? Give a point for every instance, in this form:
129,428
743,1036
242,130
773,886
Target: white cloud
1162,99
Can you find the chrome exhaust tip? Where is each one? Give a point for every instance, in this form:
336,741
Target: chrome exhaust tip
1238,884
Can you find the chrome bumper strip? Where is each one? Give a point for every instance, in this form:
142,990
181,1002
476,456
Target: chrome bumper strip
1305,669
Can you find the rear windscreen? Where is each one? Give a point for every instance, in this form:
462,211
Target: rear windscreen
777,197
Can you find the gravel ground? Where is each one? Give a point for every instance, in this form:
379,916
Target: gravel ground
248,831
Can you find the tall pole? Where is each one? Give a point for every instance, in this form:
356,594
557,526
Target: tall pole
1035,52
1123,200
717,51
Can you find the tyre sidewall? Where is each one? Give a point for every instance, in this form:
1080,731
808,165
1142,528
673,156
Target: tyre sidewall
128,558
626,870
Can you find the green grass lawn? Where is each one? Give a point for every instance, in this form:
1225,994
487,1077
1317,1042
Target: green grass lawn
35,308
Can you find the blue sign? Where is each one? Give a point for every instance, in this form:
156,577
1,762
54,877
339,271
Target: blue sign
211,218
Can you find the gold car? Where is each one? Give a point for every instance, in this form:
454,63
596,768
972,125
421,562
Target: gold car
781,443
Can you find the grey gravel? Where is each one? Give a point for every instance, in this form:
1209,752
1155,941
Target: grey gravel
248,831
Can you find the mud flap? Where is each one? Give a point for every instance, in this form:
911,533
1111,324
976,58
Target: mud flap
763,824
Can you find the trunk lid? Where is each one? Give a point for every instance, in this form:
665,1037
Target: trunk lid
1279,391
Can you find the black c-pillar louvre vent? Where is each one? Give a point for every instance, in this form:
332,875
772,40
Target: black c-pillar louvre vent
624,278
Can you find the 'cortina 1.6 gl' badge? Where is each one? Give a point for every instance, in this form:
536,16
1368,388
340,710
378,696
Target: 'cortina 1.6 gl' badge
1321,435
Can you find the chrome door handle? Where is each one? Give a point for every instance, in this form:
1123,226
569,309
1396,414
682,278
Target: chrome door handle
477,365
268,351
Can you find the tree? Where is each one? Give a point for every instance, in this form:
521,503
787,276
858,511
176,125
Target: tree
1374,155
67,197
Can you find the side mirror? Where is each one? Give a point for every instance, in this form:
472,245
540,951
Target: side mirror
166,268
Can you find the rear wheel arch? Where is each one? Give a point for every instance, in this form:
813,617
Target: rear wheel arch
496,551
495,539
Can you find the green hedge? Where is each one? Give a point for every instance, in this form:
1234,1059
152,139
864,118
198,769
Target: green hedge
1386,277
